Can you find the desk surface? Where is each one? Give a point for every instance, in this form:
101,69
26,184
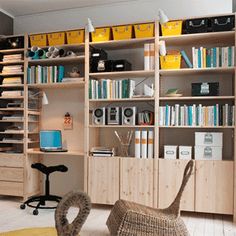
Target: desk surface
70,153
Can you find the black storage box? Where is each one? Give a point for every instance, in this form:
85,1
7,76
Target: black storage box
205,89
101,66
15,42
98,54
222,23
121,65
196,25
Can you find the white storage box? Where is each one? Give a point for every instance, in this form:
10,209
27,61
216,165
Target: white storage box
185,152
209,139
170,151
208,153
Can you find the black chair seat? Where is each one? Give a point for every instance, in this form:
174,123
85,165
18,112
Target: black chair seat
49,169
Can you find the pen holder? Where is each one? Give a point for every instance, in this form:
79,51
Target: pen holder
125,149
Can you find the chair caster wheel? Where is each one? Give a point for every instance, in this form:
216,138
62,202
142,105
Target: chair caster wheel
35,212
22,206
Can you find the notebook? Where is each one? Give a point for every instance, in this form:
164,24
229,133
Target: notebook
51,141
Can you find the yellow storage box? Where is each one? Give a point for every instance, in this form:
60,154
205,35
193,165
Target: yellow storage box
39,40
172,28
145,30
122,32
55,39
101,34
170,62
75,36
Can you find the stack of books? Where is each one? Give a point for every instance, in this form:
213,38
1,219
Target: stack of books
13,117
14,93
72,80
111,89
213,57
12,81
12,69
12,58
45,74
102,152
197,115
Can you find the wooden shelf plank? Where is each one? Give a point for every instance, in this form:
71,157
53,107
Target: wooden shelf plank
122,74
13,142
197,98
122,126
16,121
69,153
122,99
55,61
122,44
12,109
58,85
226,38
190,71
11,74
19,62
12,132
10,51
12,86
17,98
196,127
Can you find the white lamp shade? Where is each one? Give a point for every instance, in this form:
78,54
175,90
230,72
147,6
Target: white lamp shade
44,99
90,26
162,17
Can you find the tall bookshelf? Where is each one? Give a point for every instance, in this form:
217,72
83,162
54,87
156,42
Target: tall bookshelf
153,182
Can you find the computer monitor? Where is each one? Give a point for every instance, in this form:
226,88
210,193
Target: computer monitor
50,139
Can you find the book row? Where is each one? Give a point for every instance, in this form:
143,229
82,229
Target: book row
197,115
212,57
111,89
45,74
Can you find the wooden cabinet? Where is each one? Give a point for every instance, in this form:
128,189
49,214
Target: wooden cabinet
214,186
103,179
136,180
170,179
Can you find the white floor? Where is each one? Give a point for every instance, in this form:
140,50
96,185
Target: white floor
11,218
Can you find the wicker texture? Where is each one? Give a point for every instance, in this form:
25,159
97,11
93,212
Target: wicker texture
72,199
132,219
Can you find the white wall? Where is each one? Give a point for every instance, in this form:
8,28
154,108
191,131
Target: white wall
140,10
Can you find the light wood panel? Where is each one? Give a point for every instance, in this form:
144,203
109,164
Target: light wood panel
11,174
214,186
136,180
11,160
170,179
11,188
103,179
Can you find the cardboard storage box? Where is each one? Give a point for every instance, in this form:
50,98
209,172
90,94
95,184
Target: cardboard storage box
101,34
170,62
75,36
122,32
209,139
208,153
39,40
145,30
185,152
170,152
56,39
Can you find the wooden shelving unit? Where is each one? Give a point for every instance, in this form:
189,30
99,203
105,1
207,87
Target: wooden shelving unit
153,182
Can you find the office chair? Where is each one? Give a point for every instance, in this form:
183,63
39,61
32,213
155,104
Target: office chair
47,170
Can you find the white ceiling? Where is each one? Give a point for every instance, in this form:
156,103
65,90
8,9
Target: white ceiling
28,7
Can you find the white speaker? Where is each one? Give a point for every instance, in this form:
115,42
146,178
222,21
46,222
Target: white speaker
128,115
99,116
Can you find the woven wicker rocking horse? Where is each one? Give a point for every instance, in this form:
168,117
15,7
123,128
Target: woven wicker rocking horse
76,199
132,219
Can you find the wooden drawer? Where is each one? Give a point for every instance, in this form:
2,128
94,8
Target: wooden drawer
136,180
11,188
11,160
11,174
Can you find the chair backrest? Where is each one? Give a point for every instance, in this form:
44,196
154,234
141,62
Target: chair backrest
72,199
174,207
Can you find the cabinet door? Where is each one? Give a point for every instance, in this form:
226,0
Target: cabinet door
136,180
170,179
103,179
214,186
